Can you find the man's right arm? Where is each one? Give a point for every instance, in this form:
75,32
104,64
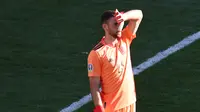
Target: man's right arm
94,89
94,73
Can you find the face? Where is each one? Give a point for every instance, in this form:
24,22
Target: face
111,27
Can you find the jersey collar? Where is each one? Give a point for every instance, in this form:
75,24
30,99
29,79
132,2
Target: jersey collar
110,44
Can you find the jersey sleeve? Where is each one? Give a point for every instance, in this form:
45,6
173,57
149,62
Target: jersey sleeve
94,65
127,35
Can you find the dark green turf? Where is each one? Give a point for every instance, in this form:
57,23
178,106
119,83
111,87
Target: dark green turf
44,47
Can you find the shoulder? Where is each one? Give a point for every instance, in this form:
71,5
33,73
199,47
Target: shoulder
126,32
127,36
97,51
98,46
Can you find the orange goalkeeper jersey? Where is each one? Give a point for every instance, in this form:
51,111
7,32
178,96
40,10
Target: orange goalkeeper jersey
112,63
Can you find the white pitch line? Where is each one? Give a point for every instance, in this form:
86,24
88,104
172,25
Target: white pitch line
143,66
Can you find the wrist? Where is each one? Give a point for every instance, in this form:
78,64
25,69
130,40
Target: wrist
99,108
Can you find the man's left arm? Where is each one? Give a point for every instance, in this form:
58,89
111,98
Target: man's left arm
134,17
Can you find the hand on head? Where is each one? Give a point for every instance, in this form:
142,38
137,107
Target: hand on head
119,16
120,20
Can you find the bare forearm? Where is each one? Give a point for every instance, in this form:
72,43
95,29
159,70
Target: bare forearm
135,18
133,15
94,88
96,97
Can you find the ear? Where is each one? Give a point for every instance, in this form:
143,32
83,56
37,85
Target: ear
105,27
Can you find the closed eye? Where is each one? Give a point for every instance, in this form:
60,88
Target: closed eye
116,24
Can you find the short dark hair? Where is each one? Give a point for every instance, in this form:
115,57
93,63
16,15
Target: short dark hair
107,15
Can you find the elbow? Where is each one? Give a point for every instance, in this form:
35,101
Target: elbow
140,14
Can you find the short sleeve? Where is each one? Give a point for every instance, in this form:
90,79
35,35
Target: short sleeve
94,66
127,35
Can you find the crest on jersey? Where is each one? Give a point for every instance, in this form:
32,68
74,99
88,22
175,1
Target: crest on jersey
90,67
110,60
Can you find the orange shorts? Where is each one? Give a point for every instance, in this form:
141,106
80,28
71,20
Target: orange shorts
130,108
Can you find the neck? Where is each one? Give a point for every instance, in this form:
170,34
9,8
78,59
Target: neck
110,39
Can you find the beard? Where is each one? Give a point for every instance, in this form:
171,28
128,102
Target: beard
113,34
116,34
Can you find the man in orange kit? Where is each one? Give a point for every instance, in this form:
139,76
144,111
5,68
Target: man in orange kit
109,63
